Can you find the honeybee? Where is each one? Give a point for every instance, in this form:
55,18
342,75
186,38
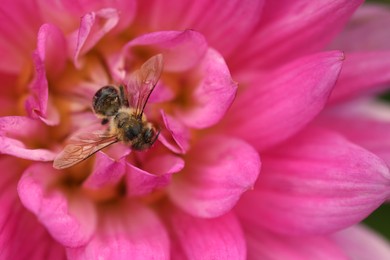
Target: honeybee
123,110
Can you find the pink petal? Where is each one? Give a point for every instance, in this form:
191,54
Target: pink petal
50,40
11,138
365,123
18,31
218,170
156,173
106,171
324,183
359,242
221,21
67,13
290,30
126,231
198,238
94,26
275,106
212,96
182,50
177,136
71,221
22,237
362,73
263,244
366,31
38,105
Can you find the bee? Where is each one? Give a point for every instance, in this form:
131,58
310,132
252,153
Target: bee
123,110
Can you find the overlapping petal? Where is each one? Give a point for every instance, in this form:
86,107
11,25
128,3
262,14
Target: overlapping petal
218,170
275,106
317,183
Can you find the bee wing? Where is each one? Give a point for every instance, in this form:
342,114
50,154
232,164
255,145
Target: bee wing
143,82
82,147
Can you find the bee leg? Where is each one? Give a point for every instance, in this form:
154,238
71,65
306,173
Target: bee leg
122,96
105,121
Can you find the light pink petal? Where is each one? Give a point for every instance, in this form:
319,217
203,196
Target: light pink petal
365,122
182,50
278,105
177,136
199,238
362,73
38,105
93,27
13,139
155,174
18,29
22,237
291,29
218,170
67,13
224,23
50,40
212,96
368,30
359,242
106,171
263,244
317,183
71,220
126,231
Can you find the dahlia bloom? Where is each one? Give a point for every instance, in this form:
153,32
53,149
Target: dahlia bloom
245,89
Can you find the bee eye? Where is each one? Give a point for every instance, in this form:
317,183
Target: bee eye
133,132
148,134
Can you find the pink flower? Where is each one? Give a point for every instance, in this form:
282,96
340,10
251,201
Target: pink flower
241,80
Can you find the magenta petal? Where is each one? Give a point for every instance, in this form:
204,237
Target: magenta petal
212,96
218,170
37,104
364,72
177,138
131,231
316,183
221,21
10,135
157,174
199,238
368,30
93,27
107,171
278,105
71,221
359,242
289,30
263,244
182,50
50,40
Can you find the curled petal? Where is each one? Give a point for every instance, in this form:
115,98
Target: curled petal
212,96
37,104
157,174
275,106
218,170
199,238
130,231
323,181
15,128
362,73
177,138
71,221
182,50
93,27
359,242
289,30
